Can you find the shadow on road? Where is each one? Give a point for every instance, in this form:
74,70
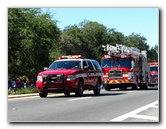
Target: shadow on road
113,92
130,89
88,95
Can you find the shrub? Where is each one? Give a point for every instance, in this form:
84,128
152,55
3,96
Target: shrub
23,91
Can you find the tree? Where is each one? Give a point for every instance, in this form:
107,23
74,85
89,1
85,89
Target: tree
70,40
153,54
117,37
85,39
31,37
93,36
138,41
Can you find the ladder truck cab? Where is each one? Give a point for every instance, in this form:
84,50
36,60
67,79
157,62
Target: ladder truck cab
153,74
124,67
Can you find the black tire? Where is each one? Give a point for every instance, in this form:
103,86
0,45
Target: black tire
66,93
97,90
123,88
145,86
134,86
43,95
80,89
141,86
146,83
107,88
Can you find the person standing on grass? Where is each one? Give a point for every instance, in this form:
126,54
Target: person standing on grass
14,85
19,82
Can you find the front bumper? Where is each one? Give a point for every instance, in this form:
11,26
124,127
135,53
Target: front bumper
57,87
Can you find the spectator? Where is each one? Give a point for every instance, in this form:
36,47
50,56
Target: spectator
19,82
24,84
14,85
32,83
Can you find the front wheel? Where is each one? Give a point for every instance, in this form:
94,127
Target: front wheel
135,86
97,90
145,86
66,93
80,89
123,88
43,95
107,88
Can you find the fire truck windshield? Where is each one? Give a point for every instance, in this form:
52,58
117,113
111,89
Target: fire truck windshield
65,65
110,62
154,69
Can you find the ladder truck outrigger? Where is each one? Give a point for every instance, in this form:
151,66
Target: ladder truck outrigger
125,67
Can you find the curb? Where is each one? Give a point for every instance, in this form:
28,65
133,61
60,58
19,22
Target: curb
28,95
22,95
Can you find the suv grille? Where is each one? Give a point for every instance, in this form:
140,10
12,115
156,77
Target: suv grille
115,73
53,78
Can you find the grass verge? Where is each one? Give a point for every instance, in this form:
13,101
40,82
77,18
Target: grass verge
22,91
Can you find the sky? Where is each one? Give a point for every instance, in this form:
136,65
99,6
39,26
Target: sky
143,21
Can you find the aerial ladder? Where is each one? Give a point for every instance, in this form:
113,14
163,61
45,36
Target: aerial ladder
122,49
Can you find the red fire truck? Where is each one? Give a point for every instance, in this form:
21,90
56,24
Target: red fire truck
153,73
72,73
124,67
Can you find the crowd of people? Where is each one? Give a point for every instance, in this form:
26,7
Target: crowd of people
21,82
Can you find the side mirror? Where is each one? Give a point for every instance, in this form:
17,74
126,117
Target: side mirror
45,68
86,67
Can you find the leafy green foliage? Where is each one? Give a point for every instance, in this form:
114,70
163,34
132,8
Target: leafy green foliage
32,36
153,54
23,91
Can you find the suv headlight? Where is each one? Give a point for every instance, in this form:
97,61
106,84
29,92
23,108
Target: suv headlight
71,77
39,78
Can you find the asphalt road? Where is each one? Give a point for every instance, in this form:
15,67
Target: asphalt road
109,106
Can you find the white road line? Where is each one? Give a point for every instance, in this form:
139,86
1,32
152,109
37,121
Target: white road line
132,113
154,106
145,117
79,98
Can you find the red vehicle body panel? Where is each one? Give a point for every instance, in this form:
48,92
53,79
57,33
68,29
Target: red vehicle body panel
153,73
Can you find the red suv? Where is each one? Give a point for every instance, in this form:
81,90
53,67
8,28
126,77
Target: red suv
70,74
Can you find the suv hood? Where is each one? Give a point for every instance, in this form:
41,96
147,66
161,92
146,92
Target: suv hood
60,71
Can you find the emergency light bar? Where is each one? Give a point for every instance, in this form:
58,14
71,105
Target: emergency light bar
71,57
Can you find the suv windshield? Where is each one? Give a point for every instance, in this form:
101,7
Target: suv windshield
65,65
110,62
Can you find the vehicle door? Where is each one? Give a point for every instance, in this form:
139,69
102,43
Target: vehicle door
98,71
85,74
92,74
